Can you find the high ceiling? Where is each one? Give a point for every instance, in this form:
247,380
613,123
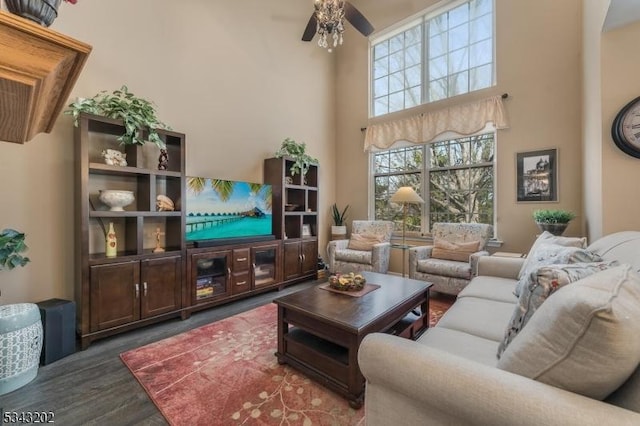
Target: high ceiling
621,12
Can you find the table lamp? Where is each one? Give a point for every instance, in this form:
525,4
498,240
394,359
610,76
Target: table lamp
405,195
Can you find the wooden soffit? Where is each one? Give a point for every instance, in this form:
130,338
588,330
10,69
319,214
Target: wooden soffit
38,69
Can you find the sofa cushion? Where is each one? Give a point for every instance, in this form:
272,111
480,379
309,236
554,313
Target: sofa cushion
584,339
479,317
447,268
548,238
364,242
462,344
550,254
492,288
543,282
459,252
354,256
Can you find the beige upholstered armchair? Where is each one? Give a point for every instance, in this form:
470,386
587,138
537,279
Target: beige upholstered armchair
367,250
452,260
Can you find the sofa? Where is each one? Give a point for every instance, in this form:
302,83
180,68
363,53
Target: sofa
448,263
451,374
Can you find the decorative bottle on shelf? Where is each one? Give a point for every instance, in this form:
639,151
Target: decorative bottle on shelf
111,242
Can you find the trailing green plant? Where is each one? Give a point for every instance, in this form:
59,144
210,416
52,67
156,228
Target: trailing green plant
297,152
136,113
338,217
11,246
553,216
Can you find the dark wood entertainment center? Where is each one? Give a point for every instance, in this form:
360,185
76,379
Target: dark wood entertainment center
140,286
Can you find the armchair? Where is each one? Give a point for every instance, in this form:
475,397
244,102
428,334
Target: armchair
367,250
454,262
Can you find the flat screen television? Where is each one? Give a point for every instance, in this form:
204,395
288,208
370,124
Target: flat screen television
227,210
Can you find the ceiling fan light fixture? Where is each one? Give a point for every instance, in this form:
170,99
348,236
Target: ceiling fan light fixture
330,22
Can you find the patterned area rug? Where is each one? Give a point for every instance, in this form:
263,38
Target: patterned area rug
226,373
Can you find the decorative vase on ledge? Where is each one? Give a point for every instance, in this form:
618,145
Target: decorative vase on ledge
44,12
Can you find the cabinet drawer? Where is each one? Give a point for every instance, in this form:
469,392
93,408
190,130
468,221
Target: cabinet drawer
240,260
240,283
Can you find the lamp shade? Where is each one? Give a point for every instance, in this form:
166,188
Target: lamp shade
406,194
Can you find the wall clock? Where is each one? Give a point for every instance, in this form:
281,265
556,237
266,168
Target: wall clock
625,130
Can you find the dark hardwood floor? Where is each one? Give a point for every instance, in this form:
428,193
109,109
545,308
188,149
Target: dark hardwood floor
93,387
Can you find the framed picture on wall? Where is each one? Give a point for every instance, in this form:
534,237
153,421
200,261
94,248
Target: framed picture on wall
537,175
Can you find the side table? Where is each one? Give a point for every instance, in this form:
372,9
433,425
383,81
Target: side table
508,254
404,248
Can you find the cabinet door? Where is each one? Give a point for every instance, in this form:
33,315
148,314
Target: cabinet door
114,294
292,260
264,261
210,275
309,257
161,285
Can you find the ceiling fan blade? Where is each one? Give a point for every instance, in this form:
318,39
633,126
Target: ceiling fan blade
310,31
357,19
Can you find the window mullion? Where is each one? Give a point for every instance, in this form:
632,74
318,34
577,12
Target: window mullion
424,60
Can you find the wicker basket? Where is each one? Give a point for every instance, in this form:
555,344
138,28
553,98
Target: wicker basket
44,12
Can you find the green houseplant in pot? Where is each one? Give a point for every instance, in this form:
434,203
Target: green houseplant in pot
297,152
554,221
12,246
135,112
338,229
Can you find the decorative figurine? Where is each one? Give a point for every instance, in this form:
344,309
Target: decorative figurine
164,204
163,160
113,157
158,249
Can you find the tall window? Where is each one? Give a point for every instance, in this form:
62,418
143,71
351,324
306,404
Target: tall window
454,177
443,53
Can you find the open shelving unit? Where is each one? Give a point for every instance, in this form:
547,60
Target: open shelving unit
138,285
295,208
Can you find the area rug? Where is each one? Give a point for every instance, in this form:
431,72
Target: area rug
226,373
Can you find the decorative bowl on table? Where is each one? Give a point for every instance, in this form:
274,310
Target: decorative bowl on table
116,199
347,282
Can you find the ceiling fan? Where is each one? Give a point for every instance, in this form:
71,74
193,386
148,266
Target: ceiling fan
327,20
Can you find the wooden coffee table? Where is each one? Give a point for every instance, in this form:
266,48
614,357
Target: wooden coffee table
319,331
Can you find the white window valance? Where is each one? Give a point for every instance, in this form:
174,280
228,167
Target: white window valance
461,120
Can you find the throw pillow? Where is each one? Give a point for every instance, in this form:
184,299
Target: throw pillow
364,242
548,238
541,285
584,339
549,254
460,252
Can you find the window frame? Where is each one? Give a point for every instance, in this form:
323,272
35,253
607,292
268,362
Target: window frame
422,18
425,171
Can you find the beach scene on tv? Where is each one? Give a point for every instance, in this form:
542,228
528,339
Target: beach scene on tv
218,208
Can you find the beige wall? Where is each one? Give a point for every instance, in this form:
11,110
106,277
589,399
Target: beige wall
237,80
233,76
538,63
594,13
620,172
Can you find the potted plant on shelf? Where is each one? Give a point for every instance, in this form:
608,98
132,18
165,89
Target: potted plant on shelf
297,152
136,113
338,229
554,221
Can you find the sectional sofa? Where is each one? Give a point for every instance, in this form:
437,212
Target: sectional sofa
451,374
